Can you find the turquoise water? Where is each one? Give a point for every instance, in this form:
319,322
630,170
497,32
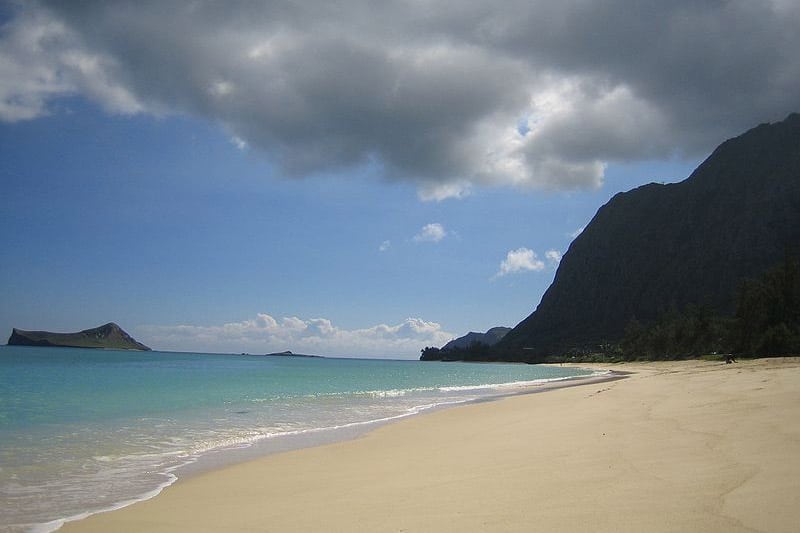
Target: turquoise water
84,430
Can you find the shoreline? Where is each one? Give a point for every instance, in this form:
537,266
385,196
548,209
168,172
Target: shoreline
678,445
225,457
222,458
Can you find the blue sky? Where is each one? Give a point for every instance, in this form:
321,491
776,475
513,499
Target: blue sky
164,221
288,200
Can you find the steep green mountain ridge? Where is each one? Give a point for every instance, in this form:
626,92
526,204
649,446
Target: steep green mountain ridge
661,247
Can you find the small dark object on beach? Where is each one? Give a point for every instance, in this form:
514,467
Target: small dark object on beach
729,359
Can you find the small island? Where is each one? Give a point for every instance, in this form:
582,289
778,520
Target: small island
108,336
288,353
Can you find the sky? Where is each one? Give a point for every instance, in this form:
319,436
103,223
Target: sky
347,178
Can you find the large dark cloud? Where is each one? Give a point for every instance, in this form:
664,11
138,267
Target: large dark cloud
538,94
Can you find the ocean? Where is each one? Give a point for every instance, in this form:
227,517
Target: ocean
88,430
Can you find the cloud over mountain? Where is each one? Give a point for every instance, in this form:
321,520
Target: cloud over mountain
519,93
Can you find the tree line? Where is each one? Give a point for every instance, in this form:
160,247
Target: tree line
766,322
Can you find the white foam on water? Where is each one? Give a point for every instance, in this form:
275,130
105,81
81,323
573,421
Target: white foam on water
53,525
516,384
180,459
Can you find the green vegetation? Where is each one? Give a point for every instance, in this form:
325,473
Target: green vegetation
476,351
108,336
690,334
766,322
768,314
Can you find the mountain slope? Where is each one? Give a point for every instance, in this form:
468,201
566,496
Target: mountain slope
662,247
490,338
109,336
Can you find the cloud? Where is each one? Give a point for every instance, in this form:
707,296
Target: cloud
519,260
530,94
434,232
42,58
443,191
385,245
316,336
554,256
239,143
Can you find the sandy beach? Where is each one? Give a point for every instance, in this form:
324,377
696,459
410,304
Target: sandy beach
676,446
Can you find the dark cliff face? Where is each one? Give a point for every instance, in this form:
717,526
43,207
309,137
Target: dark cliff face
661,247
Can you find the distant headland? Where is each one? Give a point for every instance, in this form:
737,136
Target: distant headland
288,353
109,336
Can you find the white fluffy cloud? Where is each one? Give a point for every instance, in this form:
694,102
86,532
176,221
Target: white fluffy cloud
316,336
520,260
524,93
554,256
433,232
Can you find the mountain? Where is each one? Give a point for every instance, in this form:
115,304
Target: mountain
663,247
109,336
490,338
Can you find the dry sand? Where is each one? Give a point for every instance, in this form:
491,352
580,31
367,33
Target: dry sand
678,446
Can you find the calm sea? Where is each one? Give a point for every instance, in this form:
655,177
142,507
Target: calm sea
86,430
